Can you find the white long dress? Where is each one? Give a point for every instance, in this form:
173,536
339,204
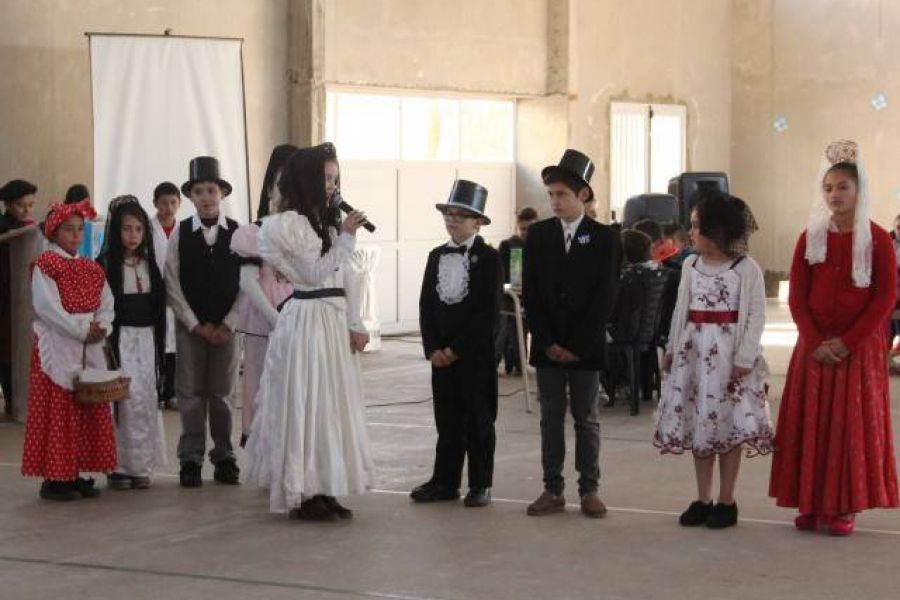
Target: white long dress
140,438
309,434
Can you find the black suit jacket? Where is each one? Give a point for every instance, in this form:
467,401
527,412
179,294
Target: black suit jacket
570,296
467,327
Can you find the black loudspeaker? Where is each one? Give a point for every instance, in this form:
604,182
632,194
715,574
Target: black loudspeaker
686,185
662,208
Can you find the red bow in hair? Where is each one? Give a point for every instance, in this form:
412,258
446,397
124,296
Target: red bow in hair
59,213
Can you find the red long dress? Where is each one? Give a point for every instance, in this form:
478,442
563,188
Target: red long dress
62,436
834,445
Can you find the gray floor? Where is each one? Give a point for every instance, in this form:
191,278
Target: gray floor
219,542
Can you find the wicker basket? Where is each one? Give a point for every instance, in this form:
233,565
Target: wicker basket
103,392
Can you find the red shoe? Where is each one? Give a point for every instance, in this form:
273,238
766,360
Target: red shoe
842,525
807,522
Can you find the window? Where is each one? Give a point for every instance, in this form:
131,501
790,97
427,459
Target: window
647,148
418,128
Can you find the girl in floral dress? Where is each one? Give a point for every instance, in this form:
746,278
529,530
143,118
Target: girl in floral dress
713,401
73,308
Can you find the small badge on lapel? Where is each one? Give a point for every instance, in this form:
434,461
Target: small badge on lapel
473,259
584,239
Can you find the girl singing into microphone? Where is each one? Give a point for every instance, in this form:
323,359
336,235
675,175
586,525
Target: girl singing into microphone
308,443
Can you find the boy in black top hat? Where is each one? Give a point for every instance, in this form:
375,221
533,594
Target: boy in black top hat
458,311
572,271
202,277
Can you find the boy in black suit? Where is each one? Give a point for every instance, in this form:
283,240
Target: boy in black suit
458,311
572,269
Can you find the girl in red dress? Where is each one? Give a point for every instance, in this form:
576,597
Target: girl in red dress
73,307
834,452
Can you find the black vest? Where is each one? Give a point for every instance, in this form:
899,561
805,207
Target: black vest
209,275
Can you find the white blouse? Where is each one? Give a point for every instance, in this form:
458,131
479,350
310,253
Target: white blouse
61,334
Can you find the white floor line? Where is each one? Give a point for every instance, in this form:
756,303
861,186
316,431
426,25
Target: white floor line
649,511
622,509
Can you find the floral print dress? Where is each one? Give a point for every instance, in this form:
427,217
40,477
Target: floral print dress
703,408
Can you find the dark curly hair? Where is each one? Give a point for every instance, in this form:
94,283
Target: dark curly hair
302,185
724,219
636,245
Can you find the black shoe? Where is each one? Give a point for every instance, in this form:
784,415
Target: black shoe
190,475
696,514
433,492
227,472
478,497
85,487
722,516
335,507
313,509
59,490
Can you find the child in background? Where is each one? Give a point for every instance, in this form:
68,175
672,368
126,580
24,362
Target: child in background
73,309
713,400
138,338
167,201
263,290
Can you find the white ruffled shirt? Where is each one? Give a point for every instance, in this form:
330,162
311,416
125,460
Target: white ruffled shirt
61,334
453,273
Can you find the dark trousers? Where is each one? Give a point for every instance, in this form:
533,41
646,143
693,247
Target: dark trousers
6,386
168,378
557,388
506,343
465,408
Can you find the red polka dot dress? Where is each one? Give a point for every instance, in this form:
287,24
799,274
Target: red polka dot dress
64,437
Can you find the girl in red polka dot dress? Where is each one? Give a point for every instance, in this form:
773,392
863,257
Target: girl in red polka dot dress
73,307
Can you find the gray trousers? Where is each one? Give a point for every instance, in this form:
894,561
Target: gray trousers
205,381
556,388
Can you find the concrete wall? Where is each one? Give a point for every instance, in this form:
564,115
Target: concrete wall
45,91
498,46
818,64
675,51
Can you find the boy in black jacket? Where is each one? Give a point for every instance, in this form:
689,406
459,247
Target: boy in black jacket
458,311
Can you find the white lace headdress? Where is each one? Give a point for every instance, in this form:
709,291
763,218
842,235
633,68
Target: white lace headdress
820,214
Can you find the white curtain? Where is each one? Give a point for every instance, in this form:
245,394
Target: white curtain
160,101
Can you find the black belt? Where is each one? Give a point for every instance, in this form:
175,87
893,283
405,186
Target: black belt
313,294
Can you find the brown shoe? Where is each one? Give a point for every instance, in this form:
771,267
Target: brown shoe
592,506
546,504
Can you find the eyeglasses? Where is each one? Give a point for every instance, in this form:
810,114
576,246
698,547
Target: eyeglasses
457,217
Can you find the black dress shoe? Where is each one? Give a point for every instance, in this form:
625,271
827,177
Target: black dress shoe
478,497
59,490
313,509
334,506
190,475
85,487
227,472
696,514
434,492
722,516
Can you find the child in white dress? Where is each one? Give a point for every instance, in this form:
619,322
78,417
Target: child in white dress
138,340
714,397
308,442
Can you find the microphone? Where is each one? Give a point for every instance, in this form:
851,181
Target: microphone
348,209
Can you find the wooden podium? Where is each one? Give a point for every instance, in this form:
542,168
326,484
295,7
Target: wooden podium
18,248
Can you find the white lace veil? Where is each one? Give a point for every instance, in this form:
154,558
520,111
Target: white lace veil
820,214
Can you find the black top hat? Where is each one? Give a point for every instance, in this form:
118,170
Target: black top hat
205,168
573,164
468,196
15,189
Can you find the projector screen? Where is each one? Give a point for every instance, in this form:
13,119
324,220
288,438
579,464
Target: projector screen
160,101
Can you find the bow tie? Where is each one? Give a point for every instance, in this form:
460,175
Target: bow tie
457,250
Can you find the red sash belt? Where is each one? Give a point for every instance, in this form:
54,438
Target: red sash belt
719,317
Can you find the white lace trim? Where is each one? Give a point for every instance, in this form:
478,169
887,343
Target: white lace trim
453,278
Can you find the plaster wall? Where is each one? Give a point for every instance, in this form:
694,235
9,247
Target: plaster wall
45,90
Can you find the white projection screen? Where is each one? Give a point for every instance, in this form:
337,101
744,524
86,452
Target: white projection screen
158,102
